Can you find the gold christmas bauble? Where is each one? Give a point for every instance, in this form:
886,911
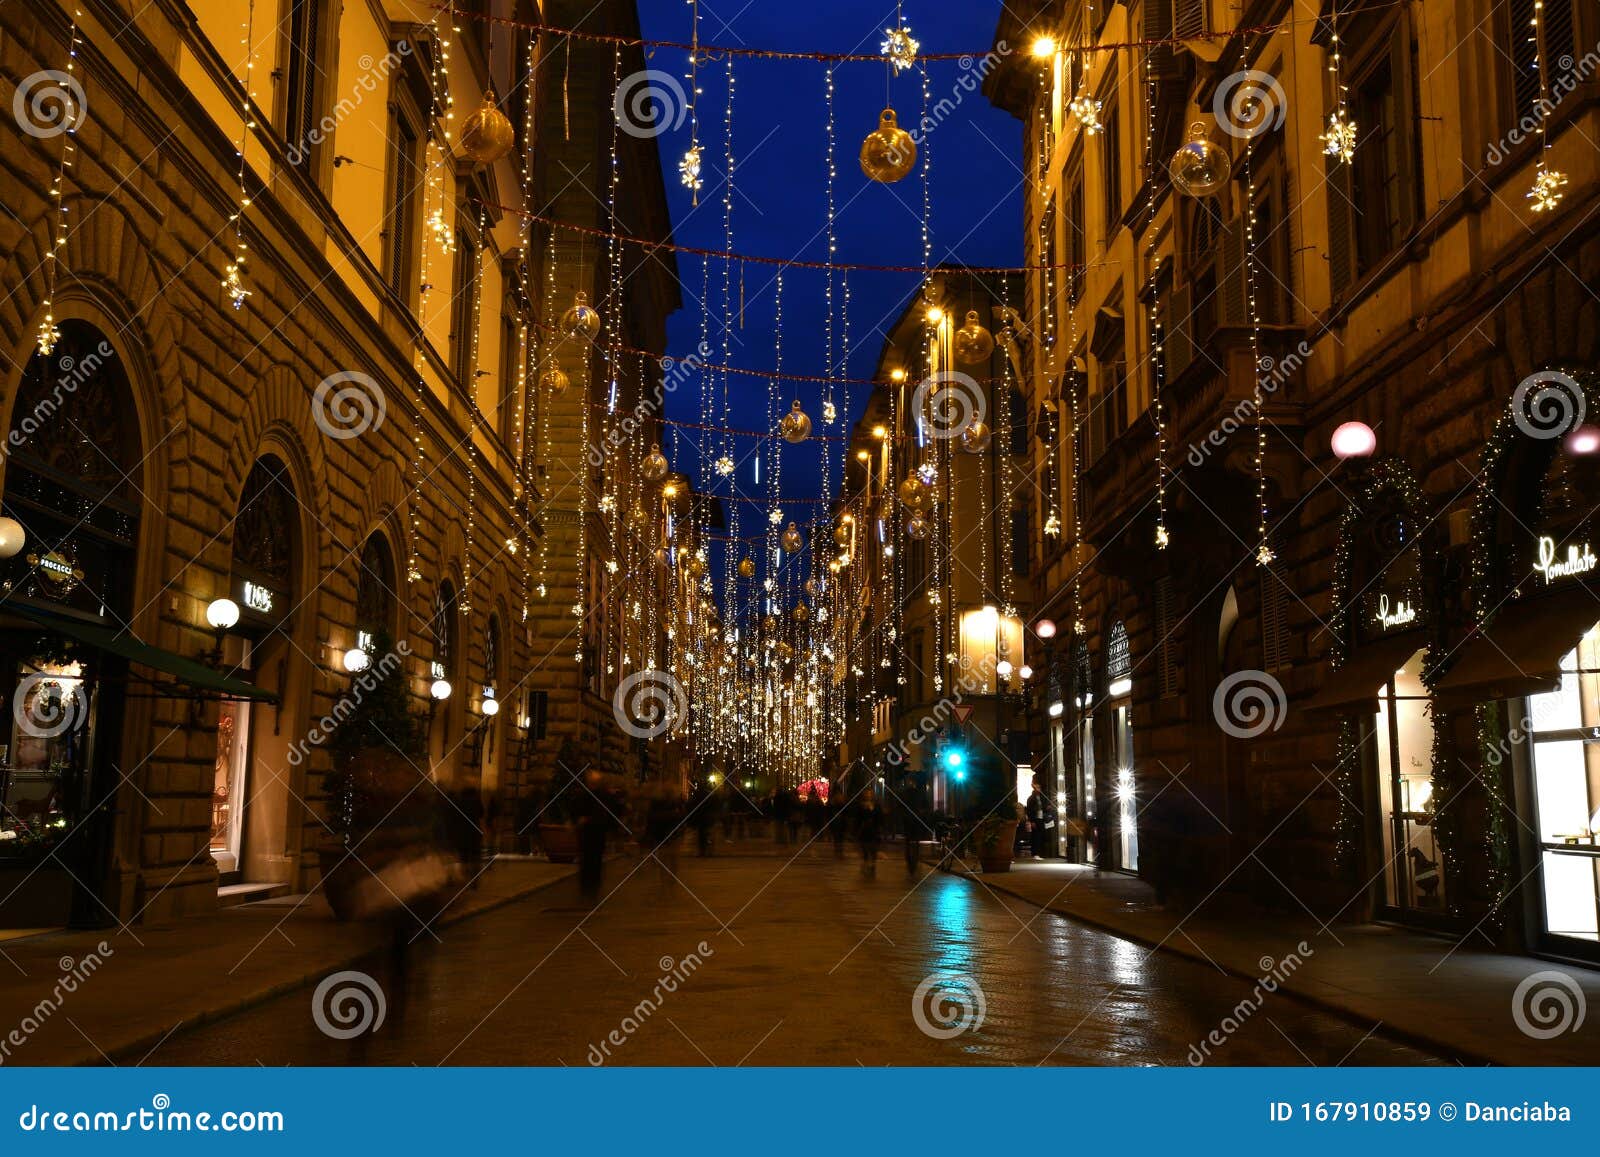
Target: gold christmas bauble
973,343
841,534
913,492
792,541
795,426
917,526
637,516
697,565
487,135
802,613
1200,167
888,153
975,438
747,568
554,380
655,465
581,320
769,623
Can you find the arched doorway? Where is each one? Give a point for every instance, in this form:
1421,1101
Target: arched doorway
251,800
72,482
375,594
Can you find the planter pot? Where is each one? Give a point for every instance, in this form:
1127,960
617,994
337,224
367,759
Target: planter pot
997,858
560,842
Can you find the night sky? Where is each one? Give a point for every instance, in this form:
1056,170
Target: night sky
780,205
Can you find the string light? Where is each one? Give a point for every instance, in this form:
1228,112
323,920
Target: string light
71,112
689,166
1548,183
1264,552
233,281
1156,356
1340,138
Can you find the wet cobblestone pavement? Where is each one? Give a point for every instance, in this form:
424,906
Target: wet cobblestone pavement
806,962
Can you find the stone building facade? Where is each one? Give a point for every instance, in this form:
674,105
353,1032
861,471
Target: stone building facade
351,453
1397,750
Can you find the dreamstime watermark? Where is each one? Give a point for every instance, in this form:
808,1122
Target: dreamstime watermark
73,974
1562,80
1548,1004
1548,404
947,1004
948,404
973,680
348,404
674,373
673,974
1250,103
373,74
1249,703
650,102
1271,374
47,706
345,706
49,103
160,1117
72,373
973,71
649,703
1273,974
347,1004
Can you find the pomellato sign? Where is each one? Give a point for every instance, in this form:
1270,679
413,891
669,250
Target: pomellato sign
1401,614
1578,559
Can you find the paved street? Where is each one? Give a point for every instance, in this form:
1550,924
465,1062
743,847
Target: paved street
808,963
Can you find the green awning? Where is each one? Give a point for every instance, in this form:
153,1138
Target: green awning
190,674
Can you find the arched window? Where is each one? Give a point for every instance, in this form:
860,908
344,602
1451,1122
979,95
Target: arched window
444,631
265,540
375,591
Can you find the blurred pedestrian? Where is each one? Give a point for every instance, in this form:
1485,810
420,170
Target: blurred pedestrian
595,819
1041,813
702,814
816,812
780,815
869,830
663,820
838,822
794,815
912,824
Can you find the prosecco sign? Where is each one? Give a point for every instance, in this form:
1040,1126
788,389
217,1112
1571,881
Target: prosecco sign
1579,558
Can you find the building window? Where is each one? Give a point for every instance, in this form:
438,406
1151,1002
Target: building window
1077,236
510,380
401,225
464,316
1020,527
303,76
1553,41
1111,157
538,714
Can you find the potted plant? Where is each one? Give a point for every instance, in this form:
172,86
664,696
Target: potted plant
558,834
994,837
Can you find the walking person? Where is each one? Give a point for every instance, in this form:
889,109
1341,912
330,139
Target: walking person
1041,814
702,815
838,822
780,815
595,821
816,812
869,831
794,814
912,825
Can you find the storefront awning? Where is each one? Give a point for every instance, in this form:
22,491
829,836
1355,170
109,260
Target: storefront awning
191,675
1355,686
1520,652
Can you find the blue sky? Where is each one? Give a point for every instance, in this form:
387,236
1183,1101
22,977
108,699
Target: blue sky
780,199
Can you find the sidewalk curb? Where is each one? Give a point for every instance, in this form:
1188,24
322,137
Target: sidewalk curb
1446,1050
142,1045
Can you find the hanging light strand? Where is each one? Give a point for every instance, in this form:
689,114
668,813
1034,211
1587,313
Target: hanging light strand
71,113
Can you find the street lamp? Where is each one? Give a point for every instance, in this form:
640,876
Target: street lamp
356,660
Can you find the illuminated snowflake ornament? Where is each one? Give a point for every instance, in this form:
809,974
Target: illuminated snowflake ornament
1546,192
775,516
1265,555
1086,110
48,335
1162,538
724,465
830,413
1052,525
689,170
1340,139
233,284
899,47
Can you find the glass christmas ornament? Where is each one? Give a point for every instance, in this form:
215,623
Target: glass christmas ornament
554,380
792,541
581,320
785,652
637,516
913,492
917,526
975,438
655,465
487,135
795,426
802,613
888,153
747,568
697,565
769,623
841,534
1200,167
973,343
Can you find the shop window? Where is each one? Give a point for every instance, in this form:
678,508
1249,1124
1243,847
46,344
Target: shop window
1563,724
1414,879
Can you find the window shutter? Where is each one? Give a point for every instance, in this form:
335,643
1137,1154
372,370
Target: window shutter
1408,122
1274,620
1178,338
1188,17
1341,224
1234,306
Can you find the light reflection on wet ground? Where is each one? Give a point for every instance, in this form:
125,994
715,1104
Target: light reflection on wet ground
817,965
